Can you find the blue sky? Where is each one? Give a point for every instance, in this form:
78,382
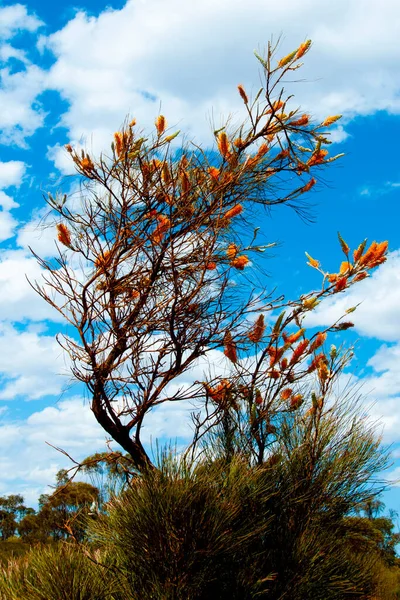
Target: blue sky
72,74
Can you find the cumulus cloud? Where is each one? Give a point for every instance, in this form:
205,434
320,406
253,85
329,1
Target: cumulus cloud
28,465
11,173
21,115
15,18
126,60
32,364
18,301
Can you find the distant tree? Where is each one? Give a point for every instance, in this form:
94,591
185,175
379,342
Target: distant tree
12,508
374,533
63,512
157,266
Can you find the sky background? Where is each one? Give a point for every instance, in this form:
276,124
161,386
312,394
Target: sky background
71,72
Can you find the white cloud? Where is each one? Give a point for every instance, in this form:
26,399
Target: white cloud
11,173
21,114
7,225
18,301
7,51
15,18
6,202
19,118
379,299
32,364
129,61
39,235
28,465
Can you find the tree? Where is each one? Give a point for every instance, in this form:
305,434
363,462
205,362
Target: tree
151,272
63,513
11,509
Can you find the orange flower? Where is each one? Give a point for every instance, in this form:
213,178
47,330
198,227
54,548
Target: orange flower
315,362
86,164
296,401
303,120
258,398
63,234
163,225
210,266
284,364
341,284
275,354
284,154
332,277
361,276
69,148
119,142
103,260
298,351
160,124
242,93
223,144
345,267
218,394
262,151
232,251
238,142
185,182
234,211
323,371
286,393
318,157
287,59
257,331
303,49
329,120
276,106
374,256
274,374
319,340
308,186
156,163
214,172
240,262
166,174
312,262
357,254
230,347
291,339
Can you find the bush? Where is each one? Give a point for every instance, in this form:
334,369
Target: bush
185,533
56,572
224,528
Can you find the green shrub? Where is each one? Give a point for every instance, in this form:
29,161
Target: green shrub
56,572
182,533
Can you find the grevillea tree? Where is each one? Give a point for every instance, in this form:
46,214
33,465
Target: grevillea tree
155,267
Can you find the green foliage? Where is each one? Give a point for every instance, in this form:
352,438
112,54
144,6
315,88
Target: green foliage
11,508
56,572
182,532
12,548
224,528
